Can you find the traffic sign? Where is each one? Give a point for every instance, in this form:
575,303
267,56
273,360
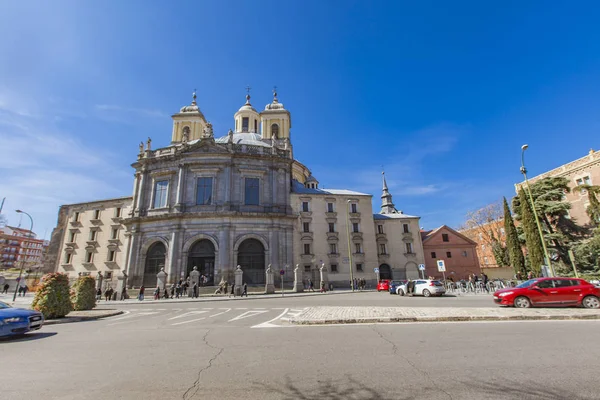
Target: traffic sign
282,272
441,266
421,267
376,270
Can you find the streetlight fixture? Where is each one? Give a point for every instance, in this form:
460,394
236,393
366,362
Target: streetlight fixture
537,219
349,244
23,260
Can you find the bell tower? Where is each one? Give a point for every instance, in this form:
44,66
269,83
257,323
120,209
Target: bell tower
246,119
275,120
189,123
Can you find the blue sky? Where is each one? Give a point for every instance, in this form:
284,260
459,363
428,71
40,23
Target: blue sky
442,94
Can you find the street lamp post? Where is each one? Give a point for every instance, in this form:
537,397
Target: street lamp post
349,245
537,219
23,260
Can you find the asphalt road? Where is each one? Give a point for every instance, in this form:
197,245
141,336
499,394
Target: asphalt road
243,349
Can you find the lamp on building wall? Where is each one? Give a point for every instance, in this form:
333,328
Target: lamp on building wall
349,244
23,259
537,219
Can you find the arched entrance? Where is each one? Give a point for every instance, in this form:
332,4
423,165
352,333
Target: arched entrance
155,260
251,257
385,272
202,255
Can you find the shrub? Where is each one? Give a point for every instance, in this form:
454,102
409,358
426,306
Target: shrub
53,297
83,293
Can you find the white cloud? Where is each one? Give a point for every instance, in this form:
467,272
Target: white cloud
130,110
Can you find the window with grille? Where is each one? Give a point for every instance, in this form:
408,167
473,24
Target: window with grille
305,206
353,208
306,248
359,267
306,226
379,228
334,268
405,227
333,248
409,248
355,227
204,191
358,248
160,194
331,227
329,207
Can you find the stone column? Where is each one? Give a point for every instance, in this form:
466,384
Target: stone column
99,279
121,283
133,270
180,185
239,274
274,247
172,256
269,286
140,194
223,267
298,285
161,280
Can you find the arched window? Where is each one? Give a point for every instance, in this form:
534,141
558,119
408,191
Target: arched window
155,260
275,131
251,256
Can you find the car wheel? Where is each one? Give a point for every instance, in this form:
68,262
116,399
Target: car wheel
591,302
522,302
426,293
400,292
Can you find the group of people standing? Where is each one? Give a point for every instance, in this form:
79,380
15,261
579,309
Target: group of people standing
182,288
359,283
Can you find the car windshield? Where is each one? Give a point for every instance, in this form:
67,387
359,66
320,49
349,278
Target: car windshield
4,305
527,283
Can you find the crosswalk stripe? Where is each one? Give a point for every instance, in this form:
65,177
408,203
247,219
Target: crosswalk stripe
214,315
248,314
187,314
187,322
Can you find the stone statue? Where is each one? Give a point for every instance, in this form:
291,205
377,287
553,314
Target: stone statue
208,131
148,143
194,280
239,274
99,279
161,279
230,137
298,284
273,141
141,147
269,286
186,136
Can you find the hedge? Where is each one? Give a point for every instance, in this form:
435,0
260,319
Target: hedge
83,293
53,298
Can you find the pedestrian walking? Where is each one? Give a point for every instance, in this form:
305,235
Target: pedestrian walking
5,289
311,285
322,287
157,293
177,291
124,293
245,290
141,294
166,295
232,290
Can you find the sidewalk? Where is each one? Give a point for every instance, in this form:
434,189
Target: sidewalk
352,315
25,302
89,315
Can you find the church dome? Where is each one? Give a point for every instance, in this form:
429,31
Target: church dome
275,105
247,106
192,108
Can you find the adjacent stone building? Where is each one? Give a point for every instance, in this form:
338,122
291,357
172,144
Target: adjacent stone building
239,199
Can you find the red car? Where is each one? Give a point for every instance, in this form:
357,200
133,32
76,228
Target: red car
383,285
550,292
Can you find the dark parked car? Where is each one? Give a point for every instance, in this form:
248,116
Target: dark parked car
555,292
394,285
17,321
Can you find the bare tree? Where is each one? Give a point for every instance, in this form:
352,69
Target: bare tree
485,226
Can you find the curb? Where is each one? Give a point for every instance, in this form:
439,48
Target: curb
67,319
445,319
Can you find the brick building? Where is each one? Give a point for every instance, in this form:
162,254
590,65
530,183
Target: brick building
458,252
20,245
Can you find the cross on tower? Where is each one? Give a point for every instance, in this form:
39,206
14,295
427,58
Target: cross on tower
248,89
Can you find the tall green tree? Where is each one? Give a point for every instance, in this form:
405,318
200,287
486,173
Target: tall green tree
513,245
535,252
593,210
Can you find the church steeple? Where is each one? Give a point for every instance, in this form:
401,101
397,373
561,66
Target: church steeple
387,207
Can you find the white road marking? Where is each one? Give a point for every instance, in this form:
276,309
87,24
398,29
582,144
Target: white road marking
248,314
242,308
187,314
268,323
131,316
187,322
214,315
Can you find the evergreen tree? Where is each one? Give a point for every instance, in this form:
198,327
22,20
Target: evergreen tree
535,252
593,210
513,245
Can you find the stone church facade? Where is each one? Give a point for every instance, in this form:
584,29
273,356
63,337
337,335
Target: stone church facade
239,199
